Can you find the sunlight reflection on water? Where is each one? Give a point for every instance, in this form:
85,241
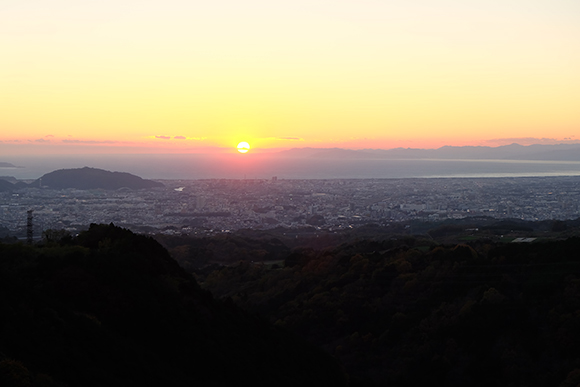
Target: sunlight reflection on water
266,166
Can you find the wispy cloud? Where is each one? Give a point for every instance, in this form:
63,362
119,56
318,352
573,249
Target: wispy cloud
290,138
190,138
48,136
163,137
283,138
90,142
41,140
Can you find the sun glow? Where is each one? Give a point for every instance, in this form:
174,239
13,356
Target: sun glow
243,147
99,79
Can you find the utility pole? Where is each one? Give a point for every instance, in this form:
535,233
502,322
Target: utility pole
29,227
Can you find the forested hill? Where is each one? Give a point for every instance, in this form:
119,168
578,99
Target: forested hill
397,312
111,308
91,178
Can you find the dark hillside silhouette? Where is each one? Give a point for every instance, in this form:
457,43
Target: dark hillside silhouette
92,178
6,186
488,314
111,308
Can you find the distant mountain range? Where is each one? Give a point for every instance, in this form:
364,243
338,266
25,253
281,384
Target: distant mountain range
559,152
297,163
7,184
83,178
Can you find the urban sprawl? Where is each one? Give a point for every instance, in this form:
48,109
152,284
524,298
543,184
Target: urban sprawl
215,205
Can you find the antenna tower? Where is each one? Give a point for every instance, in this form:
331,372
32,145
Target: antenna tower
29,227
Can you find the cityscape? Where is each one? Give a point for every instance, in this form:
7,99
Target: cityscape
211,206
289,193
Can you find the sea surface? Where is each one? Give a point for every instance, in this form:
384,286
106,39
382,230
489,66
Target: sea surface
234,166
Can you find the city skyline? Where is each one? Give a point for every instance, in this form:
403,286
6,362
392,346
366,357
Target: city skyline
192,77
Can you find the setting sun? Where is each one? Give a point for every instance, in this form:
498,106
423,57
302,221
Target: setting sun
243,147
94,77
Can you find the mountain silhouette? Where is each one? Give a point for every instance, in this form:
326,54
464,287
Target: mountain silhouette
540,152
112,308
93,178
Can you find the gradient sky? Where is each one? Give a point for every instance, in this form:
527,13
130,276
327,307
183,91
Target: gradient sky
190,76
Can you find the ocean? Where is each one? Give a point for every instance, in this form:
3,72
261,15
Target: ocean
265,166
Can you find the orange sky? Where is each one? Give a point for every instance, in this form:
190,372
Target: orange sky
182,76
